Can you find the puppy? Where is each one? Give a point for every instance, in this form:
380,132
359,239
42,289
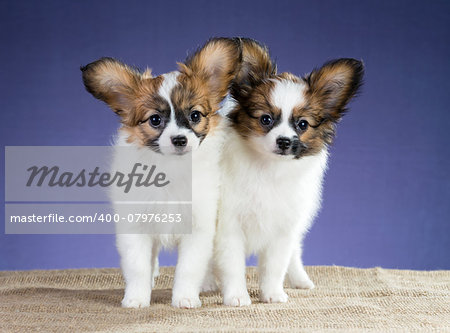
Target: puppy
273,164
165,117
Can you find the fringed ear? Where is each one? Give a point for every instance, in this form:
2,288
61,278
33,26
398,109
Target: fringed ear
334,84
147,74
217,62
256,66
114,83
256,62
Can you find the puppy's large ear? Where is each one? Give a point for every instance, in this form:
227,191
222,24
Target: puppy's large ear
333,85
114,83
217,62
256,62
256,66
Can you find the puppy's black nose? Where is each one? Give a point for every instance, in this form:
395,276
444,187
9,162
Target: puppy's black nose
179,141
283,143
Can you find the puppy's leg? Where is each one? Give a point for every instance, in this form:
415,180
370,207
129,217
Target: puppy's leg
209,282
273,264
194,253
155,262
135,252
298,278
230,261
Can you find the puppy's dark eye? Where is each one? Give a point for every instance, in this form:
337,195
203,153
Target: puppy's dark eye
195,116
302,124
266,120
155,120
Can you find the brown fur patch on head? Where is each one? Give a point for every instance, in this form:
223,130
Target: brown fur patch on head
251,88
246,115
289,77
194,94
127,91
140,131
317,135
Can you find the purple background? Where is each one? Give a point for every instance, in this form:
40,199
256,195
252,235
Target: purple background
387,192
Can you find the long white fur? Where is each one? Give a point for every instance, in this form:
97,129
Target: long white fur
267,204
139,251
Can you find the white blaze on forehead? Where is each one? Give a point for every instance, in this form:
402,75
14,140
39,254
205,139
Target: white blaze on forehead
172,129
165,90
286,95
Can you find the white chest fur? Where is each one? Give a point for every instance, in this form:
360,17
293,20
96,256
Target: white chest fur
265,196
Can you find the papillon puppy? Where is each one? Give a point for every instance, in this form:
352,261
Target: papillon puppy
169,115
273,164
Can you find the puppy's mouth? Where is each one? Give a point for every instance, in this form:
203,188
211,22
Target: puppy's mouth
285,155
182,151
282,152
295,149
177,151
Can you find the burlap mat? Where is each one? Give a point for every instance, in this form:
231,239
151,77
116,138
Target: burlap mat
345,299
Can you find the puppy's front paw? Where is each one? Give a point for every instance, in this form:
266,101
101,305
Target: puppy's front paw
300,280
186,302
274,297
237,300
135,302
302,284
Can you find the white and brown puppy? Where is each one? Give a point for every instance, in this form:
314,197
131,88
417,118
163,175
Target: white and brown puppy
273,165
170,114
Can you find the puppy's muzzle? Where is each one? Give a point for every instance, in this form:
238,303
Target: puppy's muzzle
284,143
179,141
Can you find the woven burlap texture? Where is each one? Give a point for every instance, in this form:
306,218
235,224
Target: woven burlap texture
345,299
